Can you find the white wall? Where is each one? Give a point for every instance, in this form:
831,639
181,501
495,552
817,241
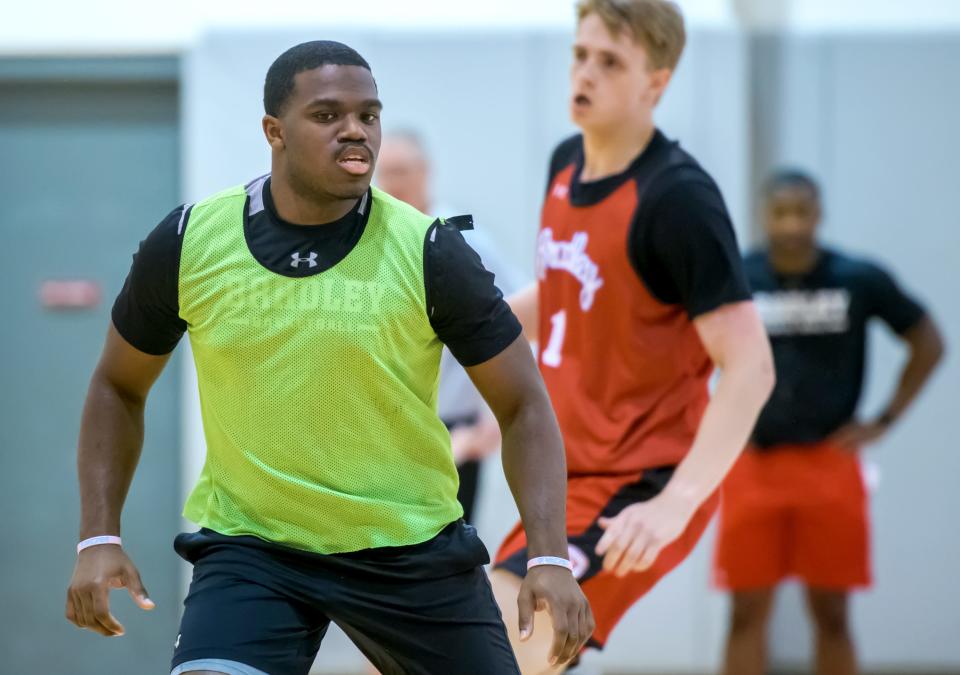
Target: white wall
491,105
119,26
864,15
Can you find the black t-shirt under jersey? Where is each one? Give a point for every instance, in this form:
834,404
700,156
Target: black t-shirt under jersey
681,241
467,310
817,324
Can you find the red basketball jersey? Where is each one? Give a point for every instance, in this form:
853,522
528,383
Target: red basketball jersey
626,372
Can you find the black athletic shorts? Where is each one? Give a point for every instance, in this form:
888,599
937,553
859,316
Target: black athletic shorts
256,607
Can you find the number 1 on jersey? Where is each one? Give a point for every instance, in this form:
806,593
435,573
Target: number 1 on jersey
552,355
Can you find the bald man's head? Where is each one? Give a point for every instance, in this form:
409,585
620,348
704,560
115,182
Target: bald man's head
403,169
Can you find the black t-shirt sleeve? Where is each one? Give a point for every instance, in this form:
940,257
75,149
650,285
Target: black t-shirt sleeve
466,309
889,302
683,246
147,310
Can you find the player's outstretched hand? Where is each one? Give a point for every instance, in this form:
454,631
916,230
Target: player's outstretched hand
555,590
99,569
635,537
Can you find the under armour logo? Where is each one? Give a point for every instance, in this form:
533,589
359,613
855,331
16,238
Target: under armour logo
311,259
560,191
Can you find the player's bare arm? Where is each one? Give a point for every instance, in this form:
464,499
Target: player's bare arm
735,340
524,305
111,438
535,466
925,343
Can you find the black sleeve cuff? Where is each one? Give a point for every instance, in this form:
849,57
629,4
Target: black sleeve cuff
473,353
466,309
727,296
909,320
146,311
139,330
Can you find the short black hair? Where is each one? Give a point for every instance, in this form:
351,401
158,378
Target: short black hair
789,177
278,86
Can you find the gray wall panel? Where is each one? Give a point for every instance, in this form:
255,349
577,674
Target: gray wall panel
876,119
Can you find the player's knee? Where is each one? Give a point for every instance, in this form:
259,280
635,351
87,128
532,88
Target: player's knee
744,620
832,624
533,652
830,616
537,665
502,580
749,612
506,587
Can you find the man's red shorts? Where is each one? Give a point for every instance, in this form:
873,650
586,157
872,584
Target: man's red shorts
588,498
793,511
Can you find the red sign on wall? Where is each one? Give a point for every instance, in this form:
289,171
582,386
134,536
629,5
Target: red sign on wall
70,294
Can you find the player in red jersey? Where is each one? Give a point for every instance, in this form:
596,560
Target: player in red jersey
641,294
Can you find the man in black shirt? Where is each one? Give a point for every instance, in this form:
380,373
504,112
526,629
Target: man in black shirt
795,503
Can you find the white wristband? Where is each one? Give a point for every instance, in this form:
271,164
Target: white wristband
97,541
549,560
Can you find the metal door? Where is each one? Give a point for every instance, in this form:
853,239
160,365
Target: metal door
88,165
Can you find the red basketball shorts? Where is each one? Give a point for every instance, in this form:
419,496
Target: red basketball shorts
588,498
793,511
